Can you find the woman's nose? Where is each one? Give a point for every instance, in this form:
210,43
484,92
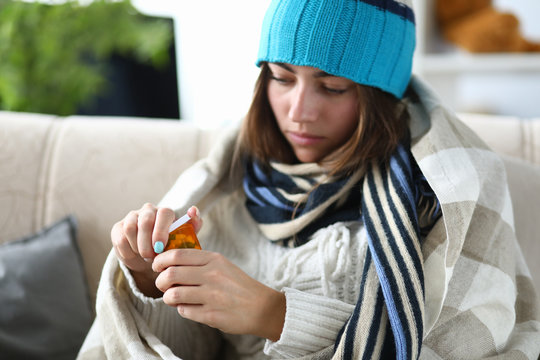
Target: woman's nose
303,106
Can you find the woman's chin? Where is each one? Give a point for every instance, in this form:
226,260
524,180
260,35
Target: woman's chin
308,156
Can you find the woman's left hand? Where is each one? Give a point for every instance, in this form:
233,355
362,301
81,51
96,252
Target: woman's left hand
206,287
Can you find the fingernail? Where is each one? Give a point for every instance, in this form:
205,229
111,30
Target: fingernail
197,212
147,260
158,247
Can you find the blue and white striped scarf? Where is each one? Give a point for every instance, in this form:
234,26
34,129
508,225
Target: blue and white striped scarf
396,205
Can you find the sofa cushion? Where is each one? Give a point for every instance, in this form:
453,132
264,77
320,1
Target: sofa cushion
44,302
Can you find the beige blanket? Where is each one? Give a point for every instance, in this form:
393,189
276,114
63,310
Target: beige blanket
479,296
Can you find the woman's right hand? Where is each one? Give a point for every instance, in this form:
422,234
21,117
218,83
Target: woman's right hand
135,236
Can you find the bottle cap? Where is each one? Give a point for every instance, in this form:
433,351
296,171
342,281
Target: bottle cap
175,225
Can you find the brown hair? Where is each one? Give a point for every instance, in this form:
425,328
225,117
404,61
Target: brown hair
382,124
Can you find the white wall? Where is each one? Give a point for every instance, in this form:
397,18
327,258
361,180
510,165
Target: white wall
217,43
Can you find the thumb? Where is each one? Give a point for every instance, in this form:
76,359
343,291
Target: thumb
196,220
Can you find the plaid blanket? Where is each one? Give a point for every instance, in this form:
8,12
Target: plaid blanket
479,298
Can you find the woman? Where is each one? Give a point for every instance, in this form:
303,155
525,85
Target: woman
352,216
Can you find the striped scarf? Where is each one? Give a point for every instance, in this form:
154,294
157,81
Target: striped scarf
288,206
397,207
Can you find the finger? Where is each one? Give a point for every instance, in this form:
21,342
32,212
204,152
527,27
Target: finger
196,219
191,311
201,314
145,224
160,236
120,243
180,257
125,253
182,295
178,275
130,228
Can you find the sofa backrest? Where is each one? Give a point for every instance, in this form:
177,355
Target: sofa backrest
94,168
508,135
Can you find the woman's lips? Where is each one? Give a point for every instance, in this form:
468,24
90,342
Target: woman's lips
304,138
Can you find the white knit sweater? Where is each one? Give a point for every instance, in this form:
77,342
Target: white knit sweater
320,280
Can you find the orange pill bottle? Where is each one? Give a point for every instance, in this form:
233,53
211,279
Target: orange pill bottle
182,235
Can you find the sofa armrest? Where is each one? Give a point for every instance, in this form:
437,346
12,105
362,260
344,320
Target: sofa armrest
518,142
524,184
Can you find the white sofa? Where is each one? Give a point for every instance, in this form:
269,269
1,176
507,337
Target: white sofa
99,168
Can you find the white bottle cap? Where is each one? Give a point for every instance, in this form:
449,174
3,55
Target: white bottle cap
175,225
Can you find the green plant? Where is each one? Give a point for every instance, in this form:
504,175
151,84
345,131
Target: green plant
52,56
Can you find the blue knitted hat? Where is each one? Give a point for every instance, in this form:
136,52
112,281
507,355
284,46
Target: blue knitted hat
368,41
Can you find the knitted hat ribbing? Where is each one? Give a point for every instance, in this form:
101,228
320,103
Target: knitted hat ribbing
368,41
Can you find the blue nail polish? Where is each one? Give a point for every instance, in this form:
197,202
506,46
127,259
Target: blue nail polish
158,247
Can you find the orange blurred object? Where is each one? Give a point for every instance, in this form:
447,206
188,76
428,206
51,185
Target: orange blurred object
183,237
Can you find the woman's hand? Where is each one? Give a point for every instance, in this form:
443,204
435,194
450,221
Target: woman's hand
206,287
135,236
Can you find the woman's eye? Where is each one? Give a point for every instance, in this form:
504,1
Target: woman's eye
332,90
279,79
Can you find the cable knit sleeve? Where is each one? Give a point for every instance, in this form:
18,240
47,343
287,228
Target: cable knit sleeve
184,337
312,323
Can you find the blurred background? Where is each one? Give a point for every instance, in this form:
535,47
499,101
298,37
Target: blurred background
196,60
95,58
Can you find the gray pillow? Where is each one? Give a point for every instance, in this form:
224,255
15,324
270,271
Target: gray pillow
45,309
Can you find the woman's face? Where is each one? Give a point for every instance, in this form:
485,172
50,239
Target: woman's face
316,112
